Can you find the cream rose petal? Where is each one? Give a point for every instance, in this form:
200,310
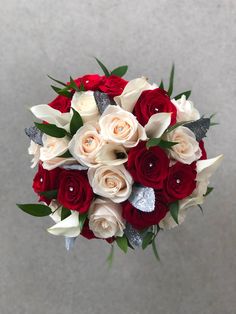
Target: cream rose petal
52,116
53,147
68,227
105,219
34,149
157,125
120,126
131,93
185,110
58,162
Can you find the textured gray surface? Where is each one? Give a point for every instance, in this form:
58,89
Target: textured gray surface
197,274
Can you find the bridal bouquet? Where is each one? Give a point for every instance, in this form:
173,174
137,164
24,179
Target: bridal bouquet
118,160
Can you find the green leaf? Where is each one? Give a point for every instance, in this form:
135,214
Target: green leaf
174,211
57,81
76,122
159,142
209,190
120,71
67,154
161,85
73,85
147,240
166,144
171,81
187,94
37,210
122,242
82,88
154,248
201,209
82,218
110,257
103,67
65,212
51,129
153,142
49,194
173,127
62,92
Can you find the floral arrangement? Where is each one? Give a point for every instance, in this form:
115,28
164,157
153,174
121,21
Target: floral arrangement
118,160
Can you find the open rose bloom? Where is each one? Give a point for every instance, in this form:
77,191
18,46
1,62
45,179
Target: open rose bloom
118,160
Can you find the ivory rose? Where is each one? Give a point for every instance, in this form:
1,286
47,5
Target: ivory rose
120,126
113,182
105,219
185,110
187,150
51,150
34,149
85,145
85,104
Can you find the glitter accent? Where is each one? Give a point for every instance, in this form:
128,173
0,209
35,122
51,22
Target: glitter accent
135,238
102,101
34,134
41,180
143,198
178,181
71,189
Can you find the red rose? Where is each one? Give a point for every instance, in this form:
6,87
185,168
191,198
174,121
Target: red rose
61,103
75,192
113,85
140,220
45,180
148,166
151,102
204,153
180,182
89,81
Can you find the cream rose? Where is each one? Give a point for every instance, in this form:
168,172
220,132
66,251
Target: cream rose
120,126
185,110
187,150
85,145
113,182
85,104
105,219
131,93
34,149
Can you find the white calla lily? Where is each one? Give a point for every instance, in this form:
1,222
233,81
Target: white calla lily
131,93
157,124
205,168
52,116
68,227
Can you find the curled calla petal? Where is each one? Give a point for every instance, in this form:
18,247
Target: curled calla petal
112,154
157,124
205,168
168,222
131,93
68,227
52,116
85,104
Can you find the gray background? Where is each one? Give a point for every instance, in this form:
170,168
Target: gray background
197,273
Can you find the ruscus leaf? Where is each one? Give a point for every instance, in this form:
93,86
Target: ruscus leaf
174,211
171,81
120,71
187,94
49,194
57,81
103,67
76,122
209,190
51,130
82,218
147,240
122,242
37,210
65,212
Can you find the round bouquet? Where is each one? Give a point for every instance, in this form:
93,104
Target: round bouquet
118,160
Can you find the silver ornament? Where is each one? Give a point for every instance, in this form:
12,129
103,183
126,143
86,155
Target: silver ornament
74,167
34,134
143,198
134,236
